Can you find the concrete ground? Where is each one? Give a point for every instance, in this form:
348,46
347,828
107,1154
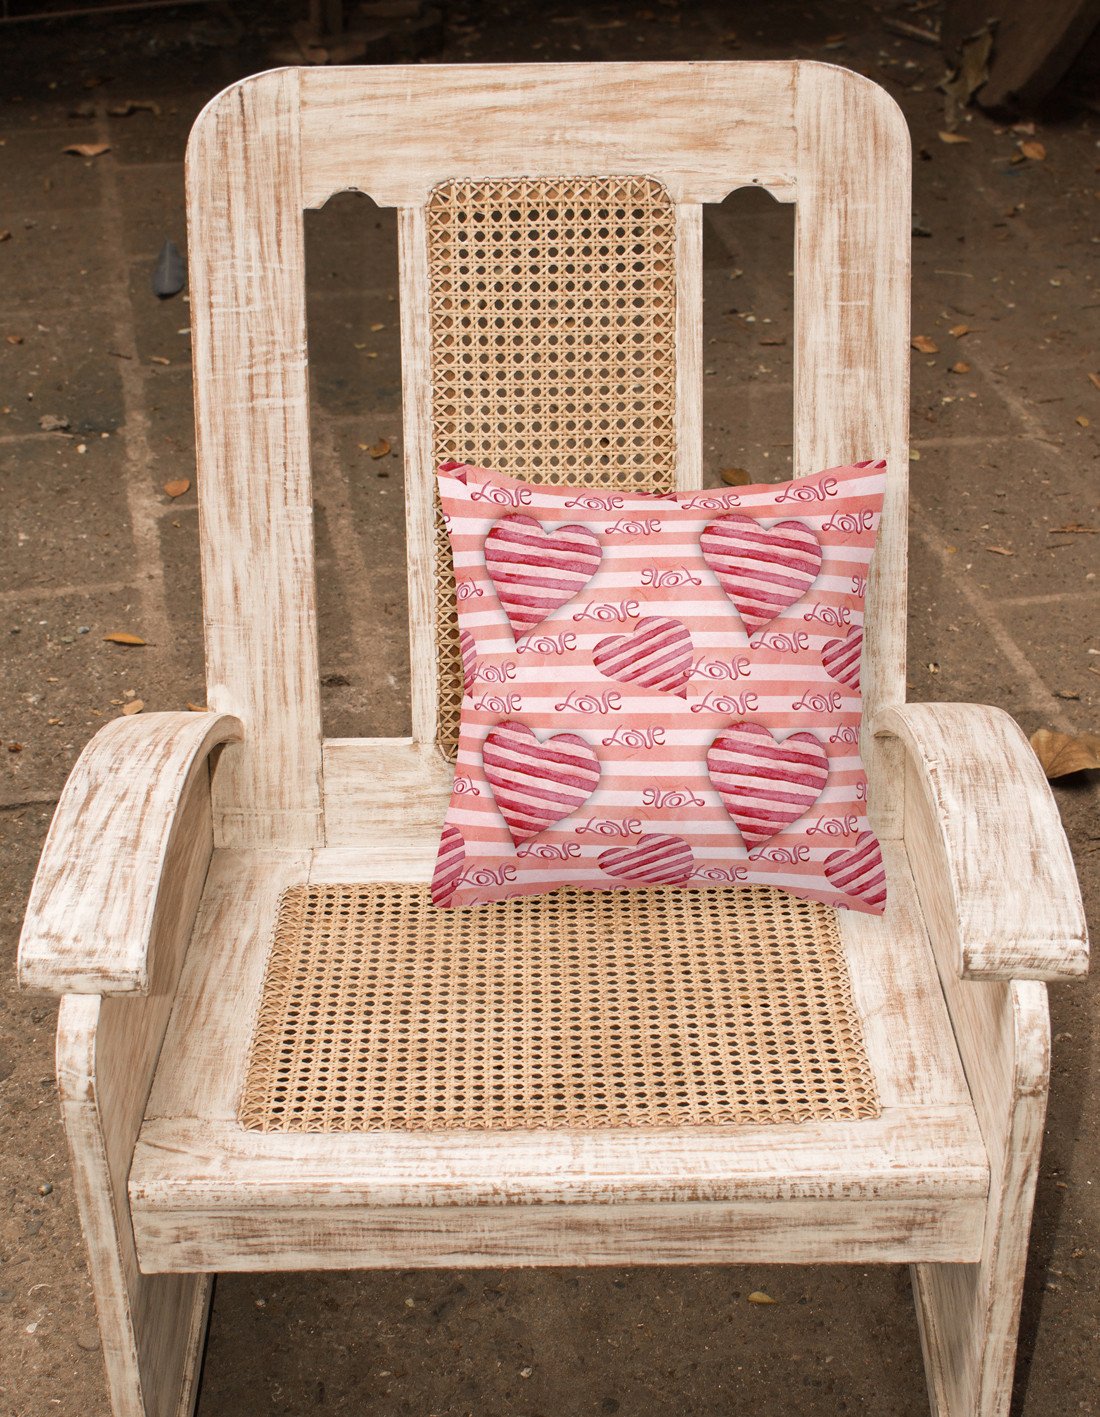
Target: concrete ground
90,543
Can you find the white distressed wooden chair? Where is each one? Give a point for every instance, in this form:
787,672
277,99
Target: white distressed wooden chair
176,835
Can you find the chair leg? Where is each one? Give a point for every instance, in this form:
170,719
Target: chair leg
969,1314
152,1326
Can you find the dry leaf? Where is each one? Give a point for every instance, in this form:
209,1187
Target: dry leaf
773,340
1034,150
1062,753
53,423
14,747
1081,420
134,706
1074,528
759,1297
178,487
1000,550
734,476
952,138
923,345
158,359
14,339
914,455
197,708
379,449
1093,378
959,330
376,327
87,149
120,637
5,235
960,367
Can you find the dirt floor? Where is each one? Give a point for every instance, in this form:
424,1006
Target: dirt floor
1003,610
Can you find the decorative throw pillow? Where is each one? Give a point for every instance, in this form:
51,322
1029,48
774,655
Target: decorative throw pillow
660,689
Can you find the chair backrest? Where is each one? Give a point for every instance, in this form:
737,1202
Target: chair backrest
550,268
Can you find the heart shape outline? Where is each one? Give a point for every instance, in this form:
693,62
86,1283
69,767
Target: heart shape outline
534,571
763,570
656,654
858,870
537,784
841,658
449,866
765,785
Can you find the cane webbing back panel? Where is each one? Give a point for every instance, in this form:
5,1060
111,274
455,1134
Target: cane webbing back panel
647,1008
553,347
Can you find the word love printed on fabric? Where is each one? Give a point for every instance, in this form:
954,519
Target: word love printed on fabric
681,670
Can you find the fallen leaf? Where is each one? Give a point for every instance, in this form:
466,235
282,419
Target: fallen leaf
914,455
53,423
952,138
158,359
120,637
1000,550
198,708
1062,753
14,747
1093,378
773,339
734,476
1066,694
5,235
1081,420
960,367
923,345
134,105
87,149
959,330
14,339
1028,129
758,1296
1073,528
134,706
1034,150
376,327
178,487
379,449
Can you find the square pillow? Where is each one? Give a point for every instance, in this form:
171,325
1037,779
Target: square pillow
660,689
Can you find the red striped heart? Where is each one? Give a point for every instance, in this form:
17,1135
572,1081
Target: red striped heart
841,658
656,654
859,871
765,785
468,647
763,570
537,784
449,865
655,859
536,571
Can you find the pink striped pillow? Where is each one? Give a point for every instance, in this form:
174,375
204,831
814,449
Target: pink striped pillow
660,689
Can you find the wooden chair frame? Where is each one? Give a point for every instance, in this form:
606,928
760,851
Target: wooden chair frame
176,833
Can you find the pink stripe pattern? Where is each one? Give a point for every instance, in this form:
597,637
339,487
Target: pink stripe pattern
534,571
762,570
537,784
449,865
860,871
656,654
766,785
653,860
841,658
468,647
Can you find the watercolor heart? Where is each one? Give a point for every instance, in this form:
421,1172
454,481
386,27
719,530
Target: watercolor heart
535,571
468,648
449,865
841,658
537,784
763,570
656,654
766,785
859,871
655,859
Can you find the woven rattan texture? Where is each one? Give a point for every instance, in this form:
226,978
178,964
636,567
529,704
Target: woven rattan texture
553,347
648,1008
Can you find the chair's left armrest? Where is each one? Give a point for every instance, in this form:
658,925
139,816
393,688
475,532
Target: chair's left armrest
986,844
93,906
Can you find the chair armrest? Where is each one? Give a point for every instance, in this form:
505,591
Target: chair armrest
986,844
90,919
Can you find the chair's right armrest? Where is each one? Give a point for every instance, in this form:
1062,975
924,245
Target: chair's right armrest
93,906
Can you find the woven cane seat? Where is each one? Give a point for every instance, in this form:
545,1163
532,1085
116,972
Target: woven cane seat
651,1008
